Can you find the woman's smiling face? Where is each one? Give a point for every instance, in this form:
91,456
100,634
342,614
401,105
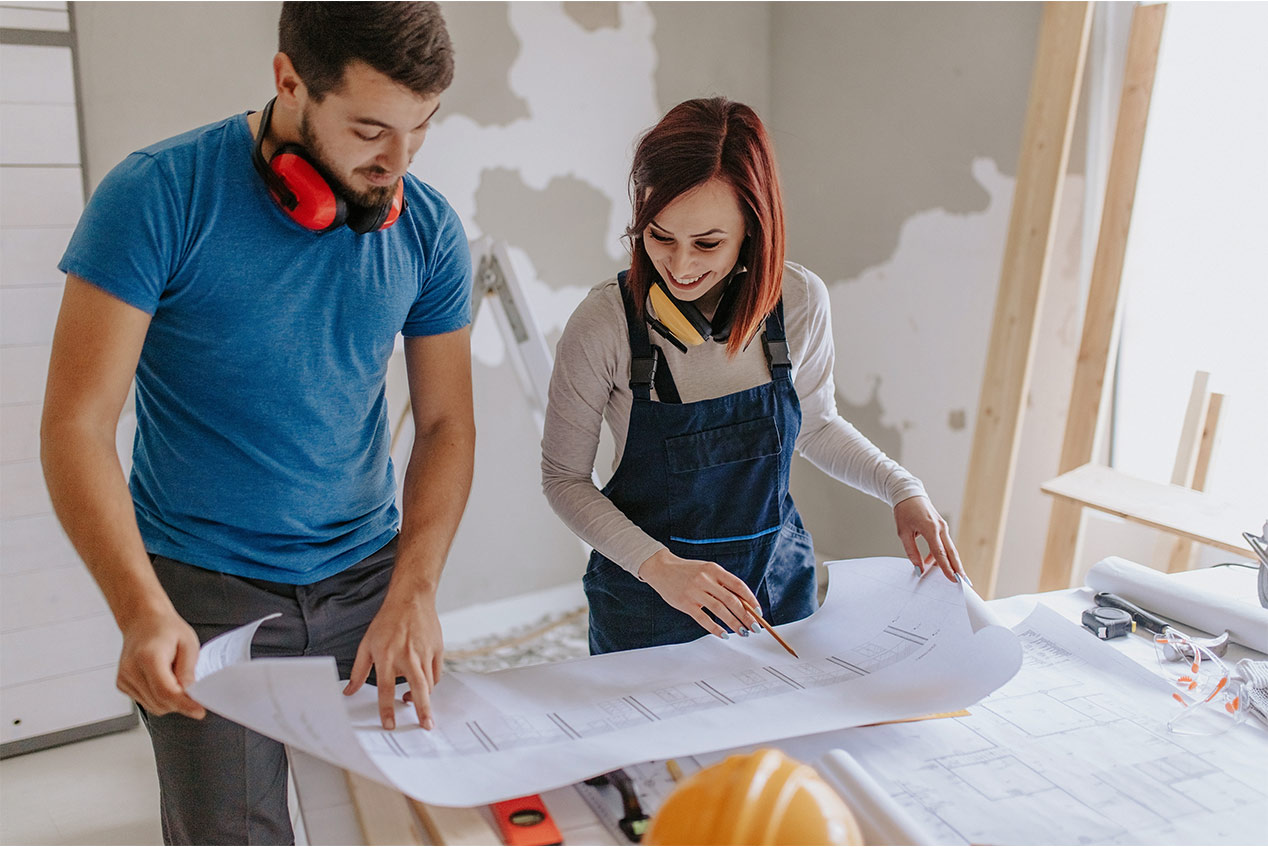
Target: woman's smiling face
695,241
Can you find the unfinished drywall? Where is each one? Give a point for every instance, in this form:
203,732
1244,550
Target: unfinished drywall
547,173
149,71
897,127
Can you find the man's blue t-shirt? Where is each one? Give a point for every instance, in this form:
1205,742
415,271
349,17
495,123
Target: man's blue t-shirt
262,444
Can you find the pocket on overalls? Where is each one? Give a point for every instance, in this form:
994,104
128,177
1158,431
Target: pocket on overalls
724,483
790,581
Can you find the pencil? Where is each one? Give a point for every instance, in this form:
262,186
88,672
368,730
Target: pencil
770,629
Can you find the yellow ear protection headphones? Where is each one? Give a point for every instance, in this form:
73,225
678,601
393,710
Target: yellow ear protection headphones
682,324
307,196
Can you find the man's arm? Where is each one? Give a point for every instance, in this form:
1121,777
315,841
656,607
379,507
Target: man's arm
404,639
96,346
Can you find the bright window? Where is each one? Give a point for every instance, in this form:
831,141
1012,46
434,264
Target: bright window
1196,269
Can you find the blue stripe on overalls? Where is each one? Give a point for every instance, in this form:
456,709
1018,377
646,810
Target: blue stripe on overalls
709,480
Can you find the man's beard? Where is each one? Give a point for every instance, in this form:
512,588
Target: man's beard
375,196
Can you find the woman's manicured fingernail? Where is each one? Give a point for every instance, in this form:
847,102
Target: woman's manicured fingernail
743,632
756,627
389,722
725,636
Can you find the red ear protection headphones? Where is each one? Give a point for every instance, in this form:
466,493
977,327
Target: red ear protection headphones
300,187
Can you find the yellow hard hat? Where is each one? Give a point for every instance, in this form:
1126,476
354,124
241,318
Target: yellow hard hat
764,797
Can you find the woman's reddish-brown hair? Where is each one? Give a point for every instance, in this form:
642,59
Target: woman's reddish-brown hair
695,142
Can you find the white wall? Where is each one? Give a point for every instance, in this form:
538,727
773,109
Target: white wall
58,642
1196,268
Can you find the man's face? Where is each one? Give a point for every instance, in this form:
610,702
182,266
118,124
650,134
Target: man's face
366,133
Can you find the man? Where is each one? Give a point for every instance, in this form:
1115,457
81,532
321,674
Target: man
215,267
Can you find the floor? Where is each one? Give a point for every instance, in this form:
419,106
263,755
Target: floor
104,790
99,791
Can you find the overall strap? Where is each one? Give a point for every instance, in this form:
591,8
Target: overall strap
646,364
775,343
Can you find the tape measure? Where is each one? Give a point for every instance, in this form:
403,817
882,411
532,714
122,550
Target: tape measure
1107,622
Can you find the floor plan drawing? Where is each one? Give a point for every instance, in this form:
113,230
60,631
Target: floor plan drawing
886,644
1074,749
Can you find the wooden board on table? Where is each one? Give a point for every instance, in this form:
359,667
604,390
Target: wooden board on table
454,825
1182,511
383,812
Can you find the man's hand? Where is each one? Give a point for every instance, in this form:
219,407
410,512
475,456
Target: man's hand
915,518
404,639
692,586
160,652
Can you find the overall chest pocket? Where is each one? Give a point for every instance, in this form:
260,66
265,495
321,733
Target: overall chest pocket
724,483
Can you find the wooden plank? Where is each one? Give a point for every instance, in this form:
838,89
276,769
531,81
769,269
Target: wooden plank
1193,514
1168,548
1054,96
1191,431
1206,445
1064,544
384,813
1100,319
1182,552
453,825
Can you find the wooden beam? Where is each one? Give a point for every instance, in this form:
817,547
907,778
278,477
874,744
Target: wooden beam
1182,552
1100,318
1206,445
1191,431
1054,97
1168,549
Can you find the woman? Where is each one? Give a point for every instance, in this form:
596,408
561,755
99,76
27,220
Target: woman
697,522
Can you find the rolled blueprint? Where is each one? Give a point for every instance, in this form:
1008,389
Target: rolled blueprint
880,818
1182,601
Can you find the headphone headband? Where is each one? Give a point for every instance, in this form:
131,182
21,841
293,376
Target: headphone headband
275,183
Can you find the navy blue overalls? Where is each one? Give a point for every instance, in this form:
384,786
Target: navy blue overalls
709,480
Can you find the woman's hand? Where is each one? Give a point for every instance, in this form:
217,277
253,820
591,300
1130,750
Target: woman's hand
692,586
916,517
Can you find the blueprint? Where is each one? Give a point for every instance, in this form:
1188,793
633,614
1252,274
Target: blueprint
887,644
1073,750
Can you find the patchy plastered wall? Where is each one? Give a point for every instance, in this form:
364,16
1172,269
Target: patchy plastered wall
534,149
897,126
148,71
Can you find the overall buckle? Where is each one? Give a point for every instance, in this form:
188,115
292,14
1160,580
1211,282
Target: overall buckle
643,369
777,353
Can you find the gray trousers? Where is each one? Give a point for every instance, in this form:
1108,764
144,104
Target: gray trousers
219,782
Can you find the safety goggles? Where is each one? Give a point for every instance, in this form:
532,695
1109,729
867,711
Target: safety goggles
1208,693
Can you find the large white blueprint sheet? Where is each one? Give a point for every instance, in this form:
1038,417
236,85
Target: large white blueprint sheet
1073,750
885,645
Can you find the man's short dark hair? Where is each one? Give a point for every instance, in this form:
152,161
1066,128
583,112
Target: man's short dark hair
407,42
